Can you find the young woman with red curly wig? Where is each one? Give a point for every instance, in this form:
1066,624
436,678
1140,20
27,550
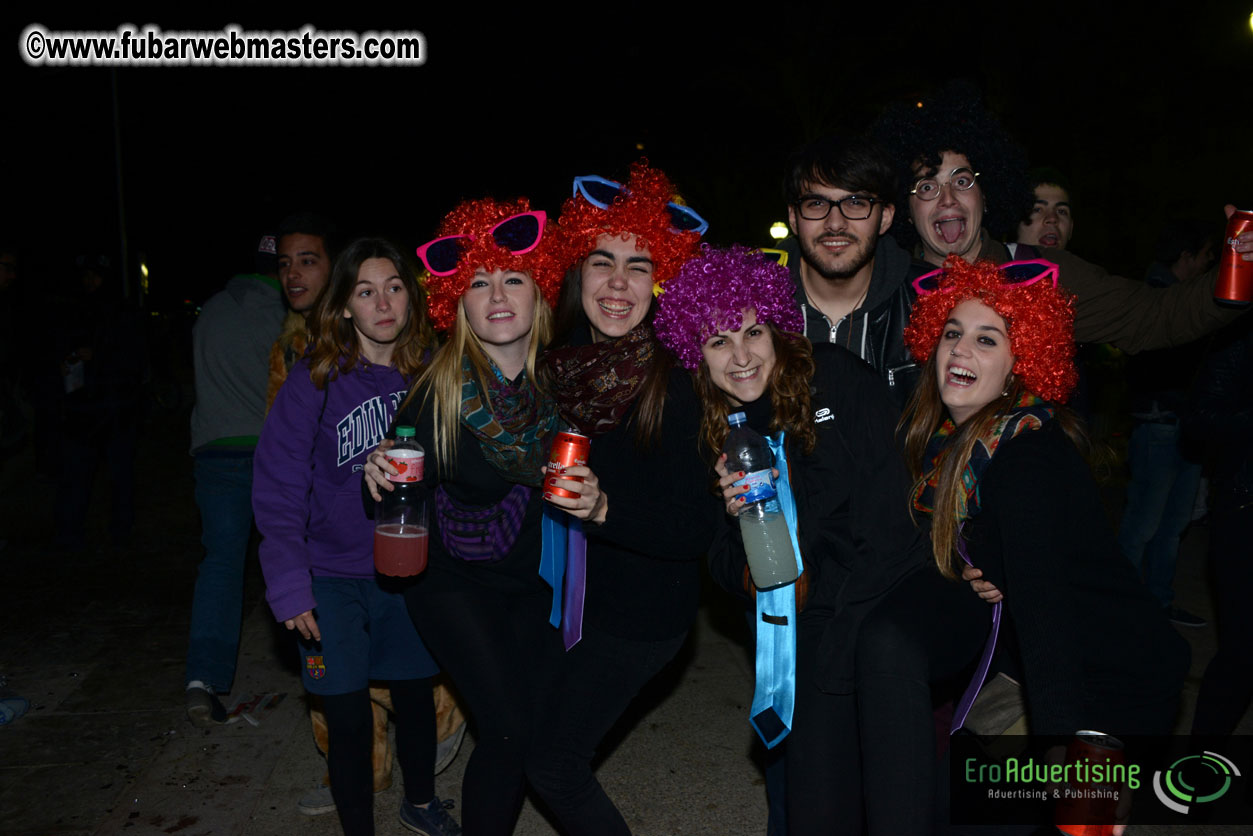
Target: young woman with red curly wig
487,428
997,464
650,527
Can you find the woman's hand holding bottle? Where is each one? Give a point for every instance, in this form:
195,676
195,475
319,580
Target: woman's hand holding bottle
376,470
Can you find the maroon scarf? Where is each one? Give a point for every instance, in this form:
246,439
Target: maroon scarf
595,385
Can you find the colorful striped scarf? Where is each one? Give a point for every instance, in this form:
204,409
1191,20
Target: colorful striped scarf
1030,413
516,433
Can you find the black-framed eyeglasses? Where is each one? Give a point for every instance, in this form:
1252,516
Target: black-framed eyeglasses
855,207
928,188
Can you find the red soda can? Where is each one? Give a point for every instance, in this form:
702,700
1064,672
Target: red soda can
1235,275
569,449
1086,806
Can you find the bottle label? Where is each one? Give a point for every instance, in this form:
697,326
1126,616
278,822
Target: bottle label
760,485
410,463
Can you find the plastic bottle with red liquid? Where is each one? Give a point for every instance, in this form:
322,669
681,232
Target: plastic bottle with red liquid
400,517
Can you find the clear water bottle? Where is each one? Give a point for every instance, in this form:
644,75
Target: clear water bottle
767,542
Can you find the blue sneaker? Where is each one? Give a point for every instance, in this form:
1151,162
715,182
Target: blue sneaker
429,821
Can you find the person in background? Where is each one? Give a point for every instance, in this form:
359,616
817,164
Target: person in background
103,363
852,279
1049,222
1221,422
306,250
964,182
1165,472
230,344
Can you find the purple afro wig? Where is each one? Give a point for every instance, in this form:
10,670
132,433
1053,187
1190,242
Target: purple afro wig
710,294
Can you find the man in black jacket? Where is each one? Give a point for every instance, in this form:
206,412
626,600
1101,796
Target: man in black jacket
852,281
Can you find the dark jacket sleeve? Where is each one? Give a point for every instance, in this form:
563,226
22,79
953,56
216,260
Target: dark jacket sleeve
1023,500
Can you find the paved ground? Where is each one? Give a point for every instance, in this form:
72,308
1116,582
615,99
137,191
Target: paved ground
96,642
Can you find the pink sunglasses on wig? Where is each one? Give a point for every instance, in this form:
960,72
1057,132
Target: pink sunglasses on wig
519,234
1019,274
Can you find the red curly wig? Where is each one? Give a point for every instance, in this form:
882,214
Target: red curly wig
640,210
544,264
1040,319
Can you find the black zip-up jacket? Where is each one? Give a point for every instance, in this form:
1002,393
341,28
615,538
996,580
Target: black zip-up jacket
875,332
856,536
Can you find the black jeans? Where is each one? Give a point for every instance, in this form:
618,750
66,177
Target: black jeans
499,650
595,683
879,742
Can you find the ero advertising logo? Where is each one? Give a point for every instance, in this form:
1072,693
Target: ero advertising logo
1193,780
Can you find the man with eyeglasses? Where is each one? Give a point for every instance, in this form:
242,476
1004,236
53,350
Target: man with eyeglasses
852,281
964,180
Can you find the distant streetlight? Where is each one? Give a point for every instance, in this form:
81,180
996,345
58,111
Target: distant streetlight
778,230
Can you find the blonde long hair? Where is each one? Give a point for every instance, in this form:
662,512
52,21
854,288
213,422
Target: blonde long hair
442,378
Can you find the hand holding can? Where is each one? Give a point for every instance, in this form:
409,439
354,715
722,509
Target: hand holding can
569,450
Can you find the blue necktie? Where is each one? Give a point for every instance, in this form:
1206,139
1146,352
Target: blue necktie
562,537
774,696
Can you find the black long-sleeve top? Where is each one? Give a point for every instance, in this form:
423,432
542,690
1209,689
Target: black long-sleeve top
1095,648
856,536
643,562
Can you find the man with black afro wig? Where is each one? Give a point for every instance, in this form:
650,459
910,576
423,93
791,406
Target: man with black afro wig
964,181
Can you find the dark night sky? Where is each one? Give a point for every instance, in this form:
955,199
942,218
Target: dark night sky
1140,112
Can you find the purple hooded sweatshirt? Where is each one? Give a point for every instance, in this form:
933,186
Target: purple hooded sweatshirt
306,488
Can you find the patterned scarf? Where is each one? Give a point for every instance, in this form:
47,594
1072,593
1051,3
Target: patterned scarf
1030,413
516,433
596,384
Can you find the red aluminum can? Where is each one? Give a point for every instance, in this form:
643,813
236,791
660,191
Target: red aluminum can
569,449
1087,809
1235,275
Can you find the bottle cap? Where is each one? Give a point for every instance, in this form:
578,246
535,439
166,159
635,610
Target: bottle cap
736,418
405,432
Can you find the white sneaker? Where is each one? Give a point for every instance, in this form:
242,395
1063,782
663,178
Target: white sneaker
316,802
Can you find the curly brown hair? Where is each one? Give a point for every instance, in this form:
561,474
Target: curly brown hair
789,395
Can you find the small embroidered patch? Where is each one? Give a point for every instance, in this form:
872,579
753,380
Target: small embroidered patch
315,667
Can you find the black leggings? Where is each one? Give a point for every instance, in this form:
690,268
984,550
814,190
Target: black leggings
879,742
498,648
350,736
597,680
